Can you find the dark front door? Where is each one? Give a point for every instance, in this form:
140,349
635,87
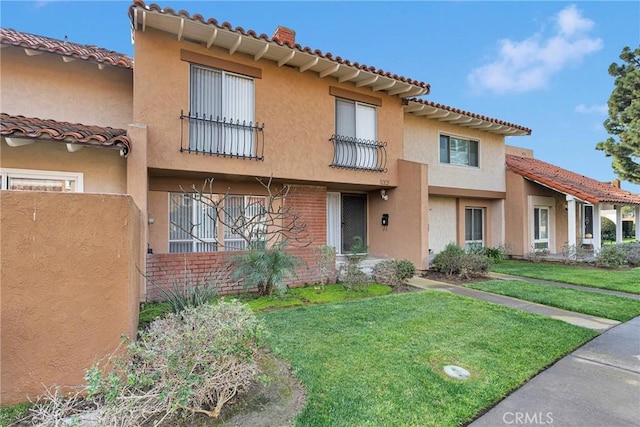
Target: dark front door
354,219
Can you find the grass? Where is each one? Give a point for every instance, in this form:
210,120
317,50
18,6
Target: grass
295,297
379,361
595,304
12,414
623,280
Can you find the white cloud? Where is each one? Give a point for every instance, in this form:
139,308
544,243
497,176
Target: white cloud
522,66
588,109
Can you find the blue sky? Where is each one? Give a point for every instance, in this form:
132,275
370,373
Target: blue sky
540,64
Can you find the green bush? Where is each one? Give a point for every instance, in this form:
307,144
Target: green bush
266,269
633,254
393,273
192,361
450,260
497,254
607,229
454,260
611,256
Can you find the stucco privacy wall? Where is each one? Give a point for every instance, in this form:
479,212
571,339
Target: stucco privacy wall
46,87
69,286
296,108
103,170
422,144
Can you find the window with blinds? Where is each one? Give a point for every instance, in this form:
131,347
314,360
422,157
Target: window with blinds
474,228
356,144
222,106
196,226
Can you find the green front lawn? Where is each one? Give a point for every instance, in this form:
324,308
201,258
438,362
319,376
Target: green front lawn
595,304
624,279
379,361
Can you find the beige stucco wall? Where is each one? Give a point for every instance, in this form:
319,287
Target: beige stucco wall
104,170
442,222
46,87
69,286
422,144
297,109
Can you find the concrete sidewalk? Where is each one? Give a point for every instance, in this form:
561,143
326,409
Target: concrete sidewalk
597,385
592,322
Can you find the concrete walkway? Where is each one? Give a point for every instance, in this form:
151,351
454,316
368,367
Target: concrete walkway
592,322
598,385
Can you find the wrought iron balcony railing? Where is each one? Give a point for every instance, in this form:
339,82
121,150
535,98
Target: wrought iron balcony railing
221,137
359,154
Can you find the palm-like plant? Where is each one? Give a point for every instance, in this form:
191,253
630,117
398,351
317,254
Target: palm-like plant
266,268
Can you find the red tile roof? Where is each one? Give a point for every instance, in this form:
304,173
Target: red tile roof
469,114
26,127
227,26
568,182
64,48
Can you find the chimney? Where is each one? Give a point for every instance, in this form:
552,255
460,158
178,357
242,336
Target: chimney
284,35
616,183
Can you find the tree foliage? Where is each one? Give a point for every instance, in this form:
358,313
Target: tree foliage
624,117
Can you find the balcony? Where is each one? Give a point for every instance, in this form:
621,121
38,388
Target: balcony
221,137
359,154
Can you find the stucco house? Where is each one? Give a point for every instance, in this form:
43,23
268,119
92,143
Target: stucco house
555,210
71,243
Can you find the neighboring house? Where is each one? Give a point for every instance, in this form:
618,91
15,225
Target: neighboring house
465,154
555,210
70,247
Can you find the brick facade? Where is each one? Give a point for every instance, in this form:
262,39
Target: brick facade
166,271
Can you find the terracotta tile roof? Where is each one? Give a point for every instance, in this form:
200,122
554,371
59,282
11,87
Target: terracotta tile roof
45,44
227,26
26,127
568,182
432,104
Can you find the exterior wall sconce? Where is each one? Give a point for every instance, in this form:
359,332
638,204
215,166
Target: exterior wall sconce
383,194
151,220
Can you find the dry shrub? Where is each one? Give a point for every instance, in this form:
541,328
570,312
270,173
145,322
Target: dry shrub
190,362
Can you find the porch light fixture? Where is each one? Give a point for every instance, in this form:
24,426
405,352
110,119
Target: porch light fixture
151,219
383,194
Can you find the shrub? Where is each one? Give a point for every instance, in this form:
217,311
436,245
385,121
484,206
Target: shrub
497,254
475,264
450,260
326,261
266,269
607,229
350,274
572,253
611,256
182,296
633,254
393,273
190,362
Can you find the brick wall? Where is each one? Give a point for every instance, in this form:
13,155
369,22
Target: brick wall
170,270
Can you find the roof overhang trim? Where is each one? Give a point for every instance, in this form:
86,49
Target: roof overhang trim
462,118
209,34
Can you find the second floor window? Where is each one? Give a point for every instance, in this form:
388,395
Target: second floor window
458,151
226,103
356,144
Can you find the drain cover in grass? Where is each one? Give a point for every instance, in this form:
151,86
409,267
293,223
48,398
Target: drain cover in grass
456,372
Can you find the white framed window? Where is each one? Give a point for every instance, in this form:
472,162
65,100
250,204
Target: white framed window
223,105
244,221
541,226
473,228
459,151
356,124
192,223
40,180
196,226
